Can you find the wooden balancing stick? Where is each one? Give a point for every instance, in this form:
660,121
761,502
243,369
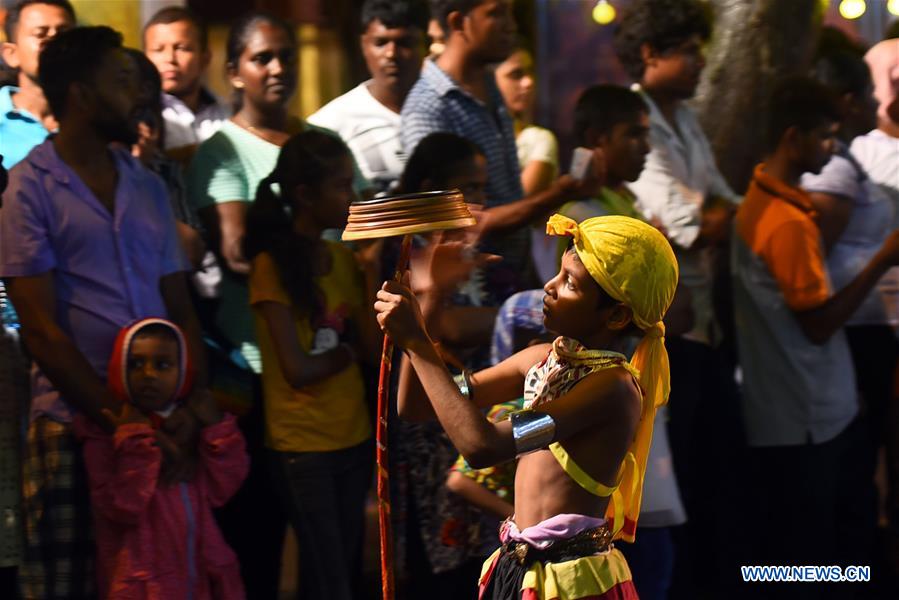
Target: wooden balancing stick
388,217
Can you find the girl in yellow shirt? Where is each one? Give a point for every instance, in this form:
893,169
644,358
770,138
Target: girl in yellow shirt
310,300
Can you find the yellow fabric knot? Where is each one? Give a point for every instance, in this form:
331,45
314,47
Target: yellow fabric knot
634,264
562,225
656,331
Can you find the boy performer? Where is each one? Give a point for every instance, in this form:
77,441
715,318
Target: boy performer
584,436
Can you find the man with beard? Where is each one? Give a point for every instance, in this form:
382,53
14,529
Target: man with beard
25,116
368,116
88,246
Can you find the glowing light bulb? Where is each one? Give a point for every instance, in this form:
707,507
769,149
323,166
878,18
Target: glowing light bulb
852,9
603,12
893,7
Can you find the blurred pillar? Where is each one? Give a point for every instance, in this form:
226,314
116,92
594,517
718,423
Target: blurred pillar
753,43
124,17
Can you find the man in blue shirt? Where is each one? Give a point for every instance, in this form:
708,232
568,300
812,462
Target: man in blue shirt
87,245
457,93
25,116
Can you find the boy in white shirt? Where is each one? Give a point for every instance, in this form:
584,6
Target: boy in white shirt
175,40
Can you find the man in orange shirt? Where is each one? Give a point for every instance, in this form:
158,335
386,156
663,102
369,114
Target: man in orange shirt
799,395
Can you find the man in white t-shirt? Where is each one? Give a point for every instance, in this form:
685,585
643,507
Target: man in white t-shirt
368,116
175,40
878,154
878,150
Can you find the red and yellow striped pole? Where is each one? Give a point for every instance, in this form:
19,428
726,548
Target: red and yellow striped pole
384,525
388,217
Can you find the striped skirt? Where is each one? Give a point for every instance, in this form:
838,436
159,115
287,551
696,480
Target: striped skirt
556,564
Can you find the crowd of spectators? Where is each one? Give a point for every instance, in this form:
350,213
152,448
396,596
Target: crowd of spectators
150,231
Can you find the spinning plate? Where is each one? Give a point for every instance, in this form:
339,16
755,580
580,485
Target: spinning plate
409,213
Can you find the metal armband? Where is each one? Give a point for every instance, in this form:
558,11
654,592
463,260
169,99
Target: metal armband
532,431
463,380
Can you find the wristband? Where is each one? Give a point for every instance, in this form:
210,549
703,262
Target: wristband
463,381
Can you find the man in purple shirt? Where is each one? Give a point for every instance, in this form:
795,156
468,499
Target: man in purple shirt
87,245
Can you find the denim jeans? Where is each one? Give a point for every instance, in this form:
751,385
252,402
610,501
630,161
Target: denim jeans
324,495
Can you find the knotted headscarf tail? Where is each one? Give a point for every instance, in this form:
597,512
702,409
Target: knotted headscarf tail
634,264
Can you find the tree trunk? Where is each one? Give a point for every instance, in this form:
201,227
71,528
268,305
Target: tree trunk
753,43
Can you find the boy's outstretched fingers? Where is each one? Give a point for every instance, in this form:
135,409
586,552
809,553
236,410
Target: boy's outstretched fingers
446,263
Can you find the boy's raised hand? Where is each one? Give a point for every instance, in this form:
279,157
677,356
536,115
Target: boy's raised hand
126,416
446,262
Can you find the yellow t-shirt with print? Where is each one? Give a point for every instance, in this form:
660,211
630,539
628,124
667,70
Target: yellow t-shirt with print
328,415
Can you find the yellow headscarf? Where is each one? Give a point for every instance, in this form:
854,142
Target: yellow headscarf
634,264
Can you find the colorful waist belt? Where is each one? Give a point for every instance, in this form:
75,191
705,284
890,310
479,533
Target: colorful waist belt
586,543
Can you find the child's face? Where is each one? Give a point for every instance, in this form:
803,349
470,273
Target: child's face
470,178
328,204
571,306
626,147
174,48
153,371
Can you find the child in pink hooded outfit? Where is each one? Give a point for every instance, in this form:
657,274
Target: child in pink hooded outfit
157,540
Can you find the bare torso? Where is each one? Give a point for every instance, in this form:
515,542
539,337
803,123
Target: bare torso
543,489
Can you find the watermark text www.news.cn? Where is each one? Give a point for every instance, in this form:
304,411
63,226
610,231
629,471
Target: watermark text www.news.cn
805,573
